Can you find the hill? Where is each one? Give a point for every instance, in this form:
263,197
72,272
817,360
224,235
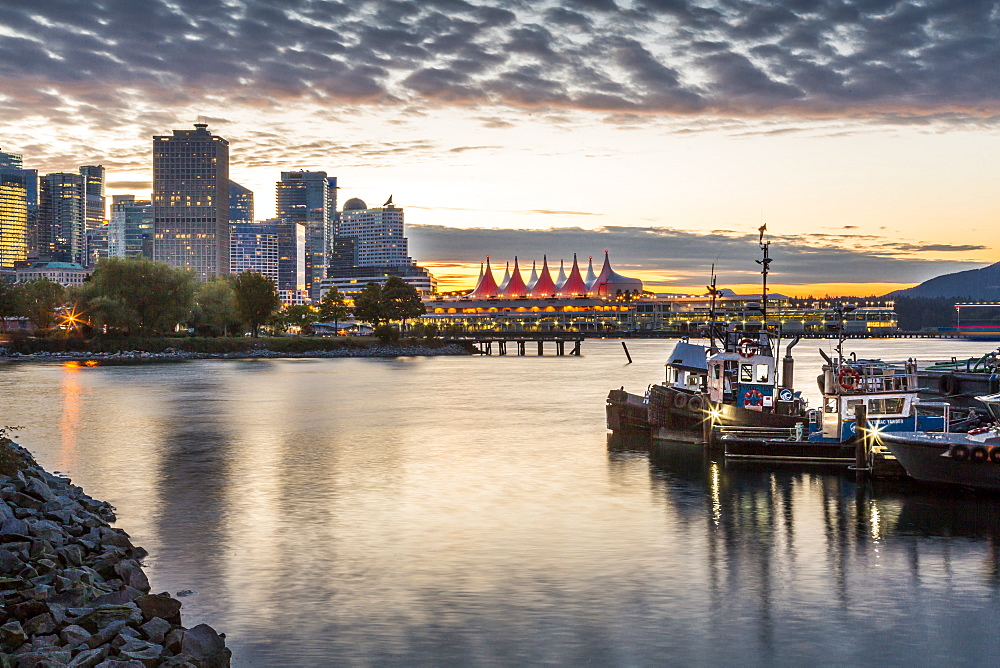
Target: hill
975,284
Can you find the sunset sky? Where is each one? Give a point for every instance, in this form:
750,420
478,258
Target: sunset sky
865,134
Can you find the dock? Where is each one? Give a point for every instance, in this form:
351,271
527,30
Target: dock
521,343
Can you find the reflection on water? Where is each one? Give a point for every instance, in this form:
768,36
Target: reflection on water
470,511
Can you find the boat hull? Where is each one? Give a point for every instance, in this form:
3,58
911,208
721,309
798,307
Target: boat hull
925,457
960,388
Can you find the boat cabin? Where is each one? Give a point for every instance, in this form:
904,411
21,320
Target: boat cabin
686,369
743,373
888,392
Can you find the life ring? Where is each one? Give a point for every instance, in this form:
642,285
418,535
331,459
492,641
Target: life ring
959,453
979,454
680,400
753,398
848,377
696,404
978,430
748,348
947,385
995,455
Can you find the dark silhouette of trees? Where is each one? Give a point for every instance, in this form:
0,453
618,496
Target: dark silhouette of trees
256,299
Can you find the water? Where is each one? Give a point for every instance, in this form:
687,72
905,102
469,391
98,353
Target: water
457,511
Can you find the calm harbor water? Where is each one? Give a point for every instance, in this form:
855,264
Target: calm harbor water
457,511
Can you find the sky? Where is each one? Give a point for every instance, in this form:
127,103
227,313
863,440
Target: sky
864,134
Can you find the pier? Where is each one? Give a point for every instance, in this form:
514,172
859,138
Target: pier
521,344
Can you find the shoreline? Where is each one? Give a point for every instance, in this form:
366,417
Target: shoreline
72,586
174,355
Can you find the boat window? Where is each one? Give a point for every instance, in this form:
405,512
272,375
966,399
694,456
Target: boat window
717,371
889,406
851,405
762,373
746,373
831,405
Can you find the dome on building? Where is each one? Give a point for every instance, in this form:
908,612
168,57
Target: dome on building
354,204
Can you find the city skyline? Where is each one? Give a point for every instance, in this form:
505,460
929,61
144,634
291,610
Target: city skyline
860,133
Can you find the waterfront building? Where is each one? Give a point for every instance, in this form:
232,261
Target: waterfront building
93,185
311,198
62,221
240,204
130,230
97,244
191,201
13,220
66,274
254,247
369,247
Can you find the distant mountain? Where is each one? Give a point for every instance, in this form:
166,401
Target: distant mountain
976,284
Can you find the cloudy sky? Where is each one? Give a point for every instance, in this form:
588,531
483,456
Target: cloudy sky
865,134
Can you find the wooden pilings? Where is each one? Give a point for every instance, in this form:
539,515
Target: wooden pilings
486,346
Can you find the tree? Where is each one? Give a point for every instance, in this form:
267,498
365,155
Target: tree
368,305
38,301
400,300
256,299
333,307
296,315
216,307
9,298
138,296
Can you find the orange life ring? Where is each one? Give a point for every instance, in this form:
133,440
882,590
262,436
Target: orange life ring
748,348
753,398
848,378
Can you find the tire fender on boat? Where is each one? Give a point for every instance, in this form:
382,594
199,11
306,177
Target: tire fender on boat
995,455
979,454
680,400
696,404
959,453
947,384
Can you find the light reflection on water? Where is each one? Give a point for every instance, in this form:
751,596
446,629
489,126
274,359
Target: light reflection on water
471,510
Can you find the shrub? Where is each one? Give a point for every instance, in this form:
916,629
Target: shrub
11,461
387,334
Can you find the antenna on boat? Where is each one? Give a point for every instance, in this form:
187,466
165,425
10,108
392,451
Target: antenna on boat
713,293
764,263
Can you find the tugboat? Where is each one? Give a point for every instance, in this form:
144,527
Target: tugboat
960,381
969,459
735,385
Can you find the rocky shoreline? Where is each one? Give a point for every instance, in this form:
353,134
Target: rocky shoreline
171,354
72,588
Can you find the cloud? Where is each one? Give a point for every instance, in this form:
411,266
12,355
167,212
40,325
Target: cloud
687,257
129,185
737,58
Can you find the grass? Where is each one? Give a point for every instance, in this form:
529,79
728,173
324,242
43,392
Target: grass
11,461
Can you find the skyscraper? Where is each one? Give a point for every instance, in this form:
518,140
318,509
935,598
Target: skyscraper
191,201
130,230
93,177
62,225
240,204
254,247
13,211
310,198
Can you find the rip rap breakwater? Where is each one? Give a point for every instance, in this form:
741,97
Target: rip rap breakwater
171,354
72,587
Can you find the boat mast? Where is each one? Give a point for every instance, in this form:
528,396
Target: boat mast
713,293
764,267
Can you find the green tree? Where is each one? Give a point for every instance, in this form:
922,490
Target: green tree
216,307
333,307
401,301
138,296
368,305
256,299
9,294
38,301
296,315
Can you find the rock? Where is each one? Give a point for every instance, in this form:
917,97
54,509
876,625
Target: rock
70,555
132,575
114,663
89,658
9,562
12,635
73,635
105,635
174,640
155,629
206,646
40,625
107,614
160,605
120,597
45,656
13,529
179,661
39,489
149,656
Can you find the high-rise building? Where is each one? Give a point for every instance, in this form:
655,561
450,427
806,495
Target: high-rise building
93,178
130,230
191,201
97,244
310,198
254,247
18,193
62,225
369,247
240,204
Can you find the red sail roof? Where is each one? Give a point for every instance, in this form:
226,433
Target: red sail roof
515,286
487,286
574,285
545,287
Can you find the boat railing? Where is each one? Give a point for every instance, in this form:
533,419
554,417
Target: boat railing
739,431
866,378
